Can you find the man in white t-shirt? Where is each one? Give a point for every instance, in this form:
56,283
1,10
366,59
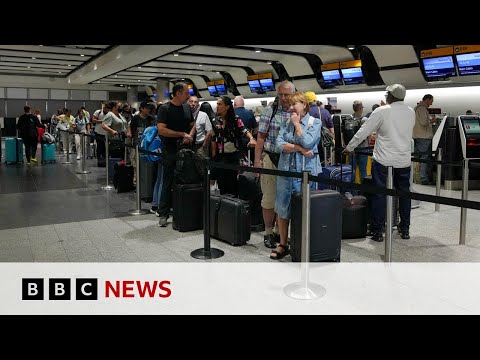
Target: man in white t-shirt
393,124
203,128
97,119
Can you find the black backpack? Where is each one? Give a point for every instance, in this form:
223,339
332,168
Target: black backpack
188,168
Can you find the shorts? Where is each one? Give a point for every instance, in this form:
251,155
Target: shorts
268,184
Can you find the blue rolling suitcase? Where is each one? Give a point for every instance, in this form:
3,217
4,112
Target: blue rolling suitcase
13,150
48,153
334,173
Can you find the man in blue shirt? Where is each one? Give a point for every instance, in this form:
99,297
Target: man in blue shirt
248,118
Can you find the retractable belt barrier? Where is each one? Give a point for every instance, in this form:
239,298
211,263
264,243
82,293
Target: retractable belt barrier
210,253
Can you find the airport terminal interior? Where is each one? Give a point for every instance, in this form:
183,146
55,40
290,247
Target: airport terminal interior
49,213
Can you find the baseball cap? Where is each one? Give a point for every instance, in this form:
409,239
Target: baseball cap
397,90
311,97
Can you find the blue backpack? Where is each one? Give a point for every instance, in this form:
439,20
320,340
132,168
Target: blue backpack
150,141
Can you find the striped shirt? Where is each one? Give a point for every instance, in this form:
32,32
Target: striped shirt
280,119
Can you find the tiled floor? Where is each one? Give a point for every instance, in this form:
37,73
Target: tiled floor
48,213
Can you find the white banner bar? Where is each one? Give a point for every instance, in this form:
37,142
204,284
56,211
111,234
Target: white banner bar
237,288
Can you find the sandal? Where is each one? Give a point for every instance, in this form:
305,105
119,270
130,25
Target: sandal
269,241
280,255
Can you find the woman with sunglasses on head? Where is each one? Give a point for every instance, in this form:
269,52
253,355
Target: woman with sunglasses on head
297,143
228,130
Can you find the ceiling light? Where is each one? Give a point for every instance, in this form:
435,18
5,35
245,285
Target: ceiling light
33,58
164,74
28,67
82,55
175,54
121,85
69,65
115,75
139,67
350,47
218,72
258,50
59,72
138,80
40,45
269,62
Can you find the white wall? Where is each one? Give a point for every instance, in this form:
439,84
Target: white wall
453,100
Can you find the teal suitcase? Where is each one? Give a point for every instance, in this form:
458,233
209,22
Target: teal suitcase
13,150
48,153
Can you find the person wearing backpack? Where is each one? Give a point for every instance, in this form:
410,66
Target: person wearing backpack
175,125
135,129
267,156
27,130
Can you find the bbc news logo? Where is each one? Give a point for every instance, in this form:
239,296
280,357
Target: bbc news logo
87,289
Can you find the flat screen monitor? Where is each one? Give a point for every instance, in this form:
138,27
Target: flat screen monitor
441,66
353,76
267,84
332,77
221,89
468,64
212,90
254,86
471,126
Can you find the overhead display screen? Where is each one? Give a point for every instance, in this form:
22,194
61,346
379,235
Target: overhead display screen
468,64
332,77
267,84
353,76
254,86
441,66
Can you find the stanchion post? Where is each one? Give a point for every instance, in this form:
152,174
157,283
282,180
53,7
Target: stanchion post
84,150
68,148
206,252
138,210
389,228
325,155
305,290
463,211
107,163
439,177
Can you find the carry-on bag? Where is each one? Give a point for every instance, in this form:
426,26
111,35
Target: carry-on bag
13,150
230,219
325,226
187,207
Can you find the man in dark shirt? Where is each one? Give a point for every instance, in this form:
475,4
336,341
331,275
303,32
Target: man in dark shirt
175,125
27,130
136,128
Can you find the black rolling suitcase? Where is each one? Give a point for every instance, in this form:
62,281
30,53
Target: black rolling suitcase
325,226
123,177
230,219
187,207
249,189
354,217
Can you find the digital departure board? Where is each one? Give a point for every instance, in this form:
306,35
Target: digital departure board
441,66
352,75
468,64
254,86
332,77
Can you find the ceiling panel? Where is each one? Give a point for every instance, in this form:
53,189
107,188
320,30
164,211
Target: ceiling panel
295,65
389,55
326,53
